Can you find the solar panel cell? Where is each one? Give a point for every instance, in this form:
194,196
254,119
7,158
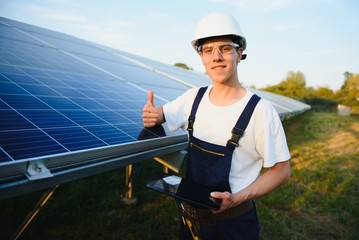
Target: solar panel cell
112,117
28,143
11,88
11,120
4,157
83,117
38,90
19,78
87,103
47,118
75,138
110,134
3,105
59,103
22,101
68,92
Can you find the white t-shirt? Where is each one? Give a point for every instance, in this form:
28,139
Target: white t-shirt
263,143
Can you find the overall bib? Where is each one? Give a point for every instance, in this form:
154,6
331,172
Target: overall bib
209,164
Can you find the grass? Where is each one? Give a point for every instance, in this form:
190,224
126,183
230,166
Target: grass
321,200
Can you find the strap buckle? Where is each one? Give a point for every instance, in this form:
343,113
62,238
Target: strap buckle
190,125
236,135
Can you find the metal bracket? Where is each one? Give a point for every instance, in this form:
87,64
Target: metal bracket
37,170
172,161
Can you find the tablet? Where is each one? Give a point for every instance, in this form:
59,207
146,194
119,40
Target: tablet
183,189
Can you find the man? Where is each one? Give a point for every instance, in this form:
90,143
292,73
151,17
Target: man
221,154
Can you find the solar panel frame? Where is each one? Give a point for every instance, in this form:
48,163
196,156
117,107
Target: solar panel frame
67,167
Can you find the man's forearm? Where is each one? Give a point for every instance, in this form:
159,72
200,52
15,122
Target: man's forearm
266,183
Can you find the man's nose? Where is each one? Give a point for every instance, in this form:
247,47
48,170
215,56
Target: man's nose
216,54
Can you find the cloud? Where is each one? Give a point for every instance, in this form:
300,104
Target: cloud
117,23
264,6
66,17
283,27
71,18
259,5
254,6
330,52
55,14
154,14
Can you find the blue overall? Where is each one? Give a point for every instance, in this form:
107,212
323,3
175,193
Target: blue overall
209,164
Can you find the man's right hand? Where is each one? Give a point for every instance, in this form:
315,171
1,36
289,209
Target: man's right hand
151,114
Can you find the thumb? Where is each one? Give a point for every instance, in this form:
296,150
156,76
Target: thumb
150,99
219,195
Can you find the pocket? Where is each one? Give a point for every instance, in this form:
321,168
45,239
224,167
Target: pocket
209,166
217,153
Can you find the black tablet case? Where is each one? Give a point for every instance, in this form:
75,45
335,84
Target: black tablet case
185,190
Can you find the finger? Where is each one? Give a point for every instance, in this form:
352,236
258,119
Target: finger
149,117
150,101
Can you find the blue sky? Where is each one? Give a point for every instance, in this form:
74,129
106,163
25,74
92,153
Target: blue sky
319,38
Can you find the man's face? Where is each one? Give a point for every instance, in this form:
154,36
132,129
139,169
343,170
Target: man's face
220,57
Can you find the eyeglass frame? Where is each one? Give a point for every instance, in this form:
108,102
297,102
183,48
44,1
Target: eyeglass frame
234,45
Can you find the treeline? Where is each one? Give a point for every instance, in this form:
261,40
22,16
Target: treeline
321,98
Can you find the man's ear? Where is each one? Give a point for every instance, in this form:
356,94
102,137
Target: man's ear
240,53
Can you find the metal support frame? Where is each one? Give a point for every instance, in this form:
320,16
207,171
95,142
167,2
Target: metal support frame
30,175
172,161
33,212
128,197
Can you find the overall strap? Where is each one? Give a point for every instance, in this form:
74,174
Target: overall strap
243,120
195,105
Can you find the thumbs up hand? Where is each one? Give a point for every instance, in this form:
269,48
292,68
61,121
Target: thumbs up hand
150,114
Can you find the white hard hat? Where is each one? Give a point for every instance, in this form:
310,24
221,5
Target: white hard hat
218,24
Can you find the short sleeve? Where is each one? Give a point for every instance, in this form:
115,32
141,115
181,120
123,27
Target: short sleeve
270,137
177,112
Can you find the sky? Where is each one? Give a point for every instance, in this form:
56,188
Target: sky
319,38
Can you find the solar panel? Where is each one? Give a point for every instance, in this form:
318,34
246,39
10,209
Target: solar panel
62,95
74,107
65,104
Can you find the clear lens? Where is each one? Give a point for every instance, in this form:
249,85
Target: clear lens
226,48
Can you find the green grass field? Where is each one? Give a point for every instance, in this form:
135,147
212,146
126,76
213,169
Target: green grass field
321,200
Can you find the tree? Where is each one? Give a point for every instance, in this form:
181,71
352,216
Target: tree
324,93
321,98
182,65
293,86
349,92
